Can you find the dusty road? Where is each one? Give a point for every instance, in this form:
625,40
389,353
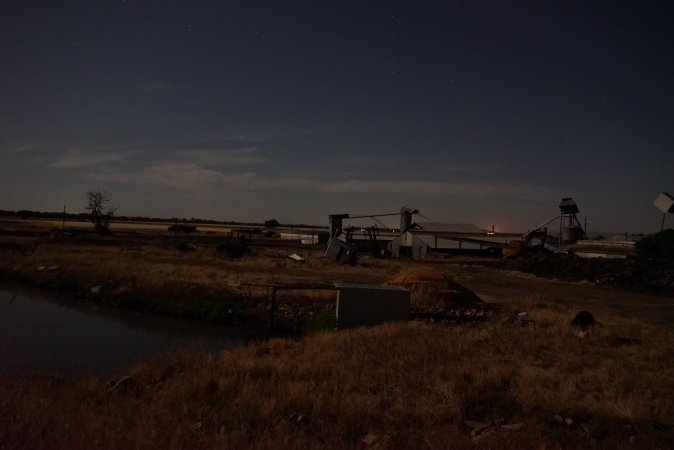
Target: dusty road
506,287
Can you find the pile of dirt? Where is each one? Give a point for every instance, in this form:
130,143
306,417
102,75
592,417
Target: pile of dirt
634,274
431,290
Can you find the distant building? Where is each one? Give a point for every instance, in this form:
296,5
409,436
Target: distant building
421,238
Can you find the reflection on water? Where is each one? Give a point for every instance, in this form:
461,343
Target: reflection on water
41,335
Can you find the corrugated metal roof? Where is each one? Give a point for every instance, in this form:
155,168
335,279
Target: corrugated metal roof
450,227
377,287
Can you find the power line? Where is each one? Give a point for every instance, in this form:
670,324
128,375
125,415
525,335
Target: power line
427,218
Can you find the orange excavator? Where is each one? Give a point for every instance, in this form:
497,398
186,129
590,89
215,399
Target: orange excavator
518,246
567,217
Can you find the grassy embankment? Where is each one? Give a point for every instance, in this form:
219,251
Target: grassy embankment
408,386
172,276
394,386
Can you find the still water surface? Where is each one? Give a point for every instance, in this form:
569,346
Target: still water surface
44,335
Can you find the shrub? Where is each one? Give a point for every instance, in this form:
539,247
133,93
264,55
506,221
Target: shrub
659,245
233,247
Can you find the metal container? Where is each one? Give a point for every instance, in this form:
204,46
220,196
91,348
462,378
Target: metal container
369,304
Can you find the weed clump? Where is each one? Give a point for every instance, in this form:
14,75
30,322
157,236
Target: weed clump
388,386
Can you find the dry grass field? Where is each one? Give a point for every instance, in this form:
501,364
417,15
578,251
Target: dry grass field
412,385
527,381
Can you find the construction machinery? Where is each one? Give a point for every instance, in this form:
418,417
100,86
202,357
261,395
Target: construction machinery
570,231
518,246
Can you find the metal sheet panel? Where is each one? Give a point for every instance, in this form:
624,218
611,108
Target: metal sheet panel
366,304
664,203
451,228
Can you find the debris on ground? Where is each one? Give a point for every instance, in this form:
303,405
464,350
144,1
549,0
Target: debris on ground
479,431
519,318
296,257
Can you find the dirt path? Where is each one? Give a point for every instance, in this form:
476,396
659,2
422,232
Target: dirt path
508,286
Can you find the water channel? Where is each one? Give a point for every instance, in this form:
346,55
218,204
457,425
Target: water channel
44,335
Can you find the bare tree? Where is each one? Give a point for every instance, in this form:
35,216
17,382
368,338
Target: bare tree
100,213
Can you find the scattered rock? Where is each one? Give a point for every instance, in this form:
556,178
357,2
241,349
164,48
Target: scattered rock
480,431
519,318
476,427
512,426
369,439
299,418
583,321
485,433
563,420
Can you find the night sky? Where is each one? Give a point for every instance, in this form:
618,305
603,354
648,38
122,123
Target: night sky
484,112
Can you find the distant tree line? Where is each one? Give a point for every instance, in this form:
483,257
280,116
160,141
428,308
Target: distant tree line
85,217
